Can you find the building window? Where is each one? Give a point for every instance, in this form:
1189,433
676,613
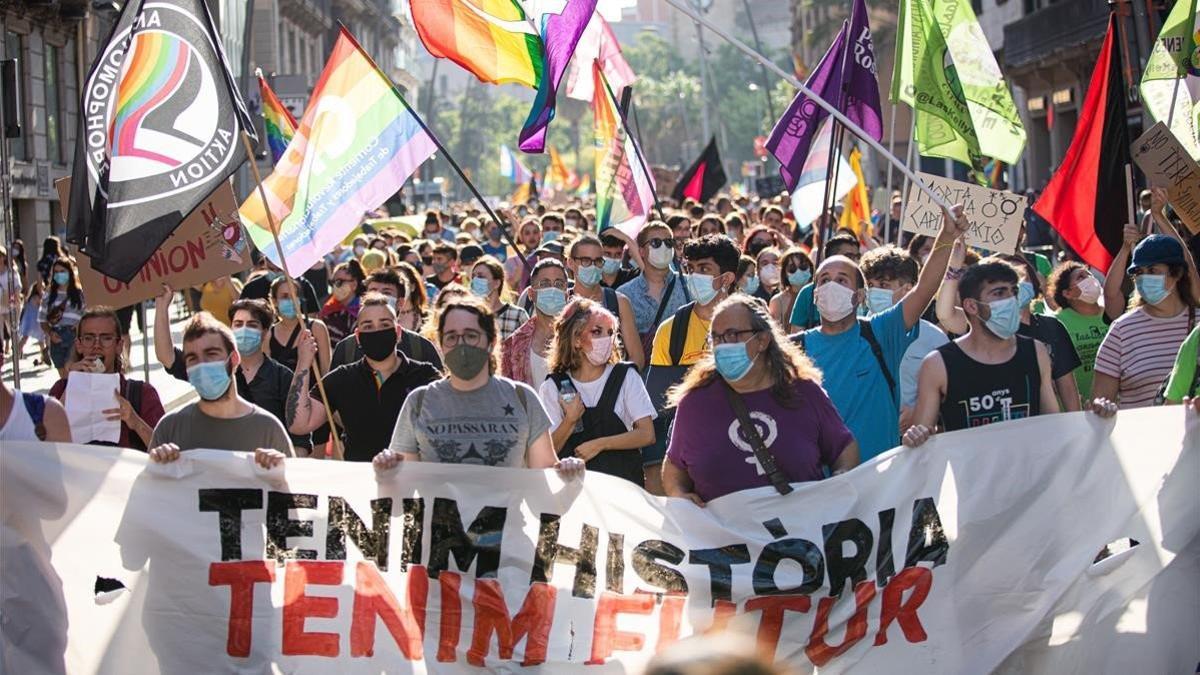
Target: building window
54,110
14,48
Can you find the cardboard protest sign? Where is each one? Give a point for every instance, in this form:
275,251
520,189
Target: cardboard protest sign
995,215
209,243
976,553
1167,164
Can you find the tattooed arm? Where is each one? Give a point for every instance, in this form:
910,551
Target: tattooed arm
303,413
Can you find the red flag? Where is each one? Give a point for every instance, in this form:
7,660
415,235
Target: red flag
1086,200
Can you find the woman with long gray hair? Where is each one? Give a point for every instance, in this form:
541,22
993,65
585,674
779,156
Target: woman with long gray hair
752,413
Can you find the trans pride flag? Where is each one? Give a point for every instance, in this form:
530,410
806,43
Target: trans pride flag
511,167
356,145
277,119
624,191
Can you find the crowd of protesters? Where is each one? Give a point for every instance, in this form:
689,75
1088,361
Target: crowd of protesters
722,347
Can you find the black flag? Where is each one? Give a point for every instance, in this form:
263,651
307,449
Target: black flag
159,129
703,178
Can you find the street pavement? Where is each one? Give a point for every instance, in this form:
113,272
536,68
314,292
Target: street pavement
40,377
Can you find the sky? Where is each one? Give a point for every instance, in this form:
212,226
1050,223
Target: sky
611,9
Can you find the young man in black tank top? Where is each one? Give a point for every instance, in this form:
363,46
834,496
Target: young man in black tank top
990,374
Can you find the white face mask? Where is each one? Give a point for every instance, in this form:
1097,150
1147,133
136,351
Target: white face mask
769,274
834,301
1089,289
601,350
662,256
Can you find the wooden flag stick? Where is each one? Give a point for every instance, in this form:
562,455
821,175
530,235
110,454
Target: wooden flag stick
338,452
1132,195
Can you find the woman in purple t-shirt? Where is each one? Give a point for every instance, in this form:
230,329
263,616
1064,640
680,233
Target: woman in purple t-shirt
709,455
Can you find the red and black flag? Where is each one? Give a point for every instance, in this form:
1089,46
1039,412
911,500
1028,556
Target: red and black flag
1086,200
159,130
703,178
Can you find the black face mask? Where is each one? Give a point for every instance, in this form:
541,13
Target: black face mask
377,345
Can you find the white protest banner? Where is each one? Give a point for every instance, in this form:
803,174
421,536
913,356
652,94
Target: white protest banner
209,243
1167,164
971,554
995,215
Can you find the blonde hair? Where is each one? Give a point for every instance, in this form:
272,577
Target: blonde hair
786,362
564,357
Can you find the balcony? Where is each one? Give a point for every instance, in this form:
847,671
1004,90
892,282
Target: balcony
1060,27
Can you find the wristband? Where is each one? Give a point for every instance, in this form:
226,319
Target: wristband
955,273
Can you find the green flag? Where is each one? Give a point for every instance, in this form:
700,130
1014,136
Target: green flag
1173,75
946,72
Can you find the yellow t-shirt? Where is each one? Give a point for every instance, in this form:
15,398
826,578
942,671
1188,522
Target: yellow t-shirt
695,345
216,301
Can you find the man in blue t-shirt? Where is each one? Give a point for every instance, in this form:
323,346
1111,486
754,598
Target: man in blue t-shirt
855,379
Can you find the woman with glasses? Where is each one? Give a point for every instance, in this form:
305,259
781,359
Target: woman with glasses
98,348
599,409
473,416
526,352
488,284
754,367
60,311
340,311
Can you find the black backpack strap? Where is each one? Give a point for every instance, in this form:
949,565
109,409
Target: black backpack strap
35,405
662,303
868,334
765,459
610,302
679,329
612,388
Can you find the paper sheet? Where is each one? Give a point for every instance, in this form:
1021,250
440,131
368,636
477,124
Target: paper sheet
87,395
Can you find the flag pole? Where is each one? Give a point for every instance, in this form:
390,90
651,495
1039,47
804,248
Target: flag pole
623,106
338,452
835,146
887,217
441,148
832,110
912,146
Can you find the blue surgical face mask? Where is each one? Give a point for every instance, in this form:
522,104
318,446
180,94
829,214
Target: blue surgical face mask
732,360
61,278
612,266
211,379
751,285
1152,287
1024,294
589,276
1005,318
798,278
701,286
287,308
248,339
880,300
480,287
550,235
550,301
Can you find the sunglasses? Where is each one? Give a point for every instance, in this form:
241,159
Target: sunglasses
659,242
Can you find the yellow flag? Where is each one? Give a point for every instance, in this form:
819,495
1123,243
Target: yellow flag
857,212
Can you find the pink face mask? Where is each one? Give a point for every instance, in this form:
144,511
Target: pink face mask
600,350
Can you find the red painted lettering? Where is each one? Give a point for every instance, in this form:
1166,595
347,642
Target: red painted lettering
919,579
450,624
820,652
770,626
196,251
240,577
177,259
297,606
605,637
372,598
533,623
670,615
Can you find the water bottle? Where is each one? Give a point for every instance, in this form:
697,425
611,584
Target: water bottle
568,392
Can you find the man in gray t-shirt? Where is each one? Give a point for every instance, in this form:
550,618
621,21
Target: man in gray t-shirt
189,428
494,425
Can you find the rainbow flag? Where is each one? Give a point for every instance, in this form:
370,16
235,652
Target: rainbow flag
342,163
585,186
624,191
492,39
277,119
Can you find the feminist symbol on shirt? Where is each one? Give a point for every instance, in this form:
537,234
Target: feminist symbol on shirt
765,425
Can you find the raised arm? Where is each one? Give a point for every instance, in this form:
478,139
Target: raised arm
164,348
954,225
951,317
303,412
1114,297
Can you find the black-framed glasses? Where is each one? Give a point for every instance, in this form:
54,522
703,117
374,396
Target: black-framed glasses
659,242
589,262
473,338
337,283
105,339
732,336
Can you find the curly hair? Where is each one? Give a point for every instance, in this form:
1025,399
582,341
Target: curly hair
786,362
1060,282
564,357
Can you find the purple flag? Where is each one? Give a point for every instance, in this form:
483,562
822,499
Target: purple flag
850,59
560,34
